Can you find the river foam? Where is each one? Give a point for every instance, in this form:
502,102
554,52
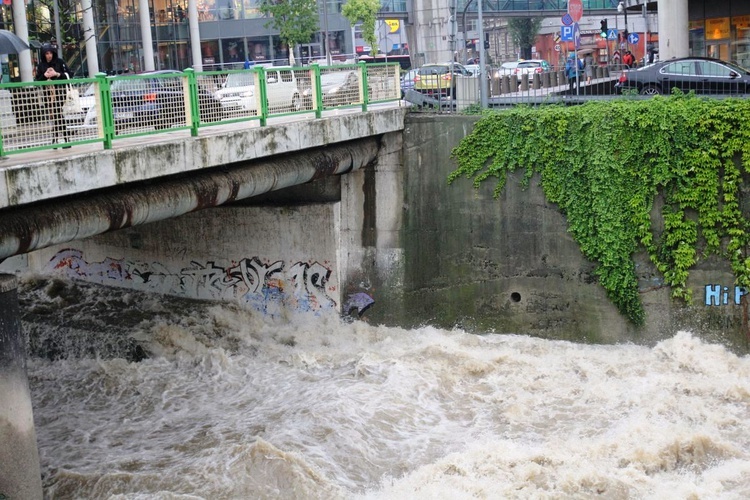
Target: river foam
137,396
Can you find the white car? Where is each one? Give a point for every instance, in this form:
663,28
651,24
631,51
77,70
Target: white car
532,66
281,90
506,69
234,87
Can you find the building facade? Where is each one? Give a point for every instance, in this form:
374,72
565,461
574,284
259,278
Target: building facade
720,29
231,31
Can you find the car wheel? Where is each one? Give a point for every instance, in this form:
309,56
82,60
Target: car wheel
650,90
296,102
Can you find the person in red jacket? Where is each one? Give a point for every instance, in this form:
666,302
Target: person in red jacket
628,59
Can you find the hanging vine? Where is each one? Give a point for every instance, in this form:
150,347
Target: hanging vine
604,164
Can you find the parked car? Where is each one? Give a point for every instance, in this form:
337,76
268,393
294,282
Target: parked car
532,66
507,68
473,69
231,91
156,102
438,79
281,91
407,81
700,74
338,88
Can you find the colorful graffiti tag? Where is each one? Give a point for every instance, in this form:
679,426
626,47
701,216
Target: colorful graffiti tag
717,295
268,287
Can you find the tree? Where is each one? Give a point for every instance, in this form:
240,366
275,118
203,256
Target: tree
363,11
524,32
295,20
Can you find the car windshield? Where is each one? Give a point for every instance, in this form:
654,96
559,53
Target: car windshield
529,64
239,80
130,85
334,78
433,70
736,67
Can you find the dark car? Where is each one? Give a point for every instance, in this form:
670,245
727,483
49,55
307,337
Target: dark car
158,102
700,74
338,88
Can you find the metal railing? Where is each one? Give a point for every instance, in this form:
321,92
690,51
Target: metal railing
36,116
510,88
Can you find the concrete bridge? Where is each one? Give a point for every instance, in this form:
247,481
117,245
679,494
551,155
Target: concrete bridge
53,204
348,214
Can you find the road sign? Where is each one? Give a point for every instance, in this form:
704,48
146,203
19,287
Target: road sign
566,33
633,38
577,36
612,34
567,20
558,48
575,9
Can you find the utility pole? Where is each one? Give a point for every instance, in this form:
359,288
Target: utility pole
621,7
482,70
325,27
452,45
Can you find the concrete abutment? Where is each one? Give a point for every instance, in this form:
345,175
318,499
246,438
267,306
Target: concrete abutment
19,460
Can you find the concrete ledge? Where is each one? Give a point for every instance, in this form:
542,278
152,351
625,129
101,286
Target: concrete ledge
74,174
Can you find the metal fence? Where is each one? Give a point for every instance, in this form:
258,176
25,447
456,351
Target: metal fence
45,115
700,76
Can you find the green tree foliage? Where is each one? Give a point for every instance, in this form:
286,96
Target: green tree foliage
363,11
524,32
295,20
606,163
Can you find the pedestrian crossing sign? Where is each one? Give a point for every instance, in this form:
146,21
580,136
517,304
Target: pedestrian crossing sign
612,34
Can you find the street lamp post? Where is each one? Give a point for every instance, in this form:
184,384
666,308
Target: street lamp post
621,8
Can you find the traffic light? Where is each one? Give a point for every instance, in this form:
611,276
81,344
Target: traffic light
603,31
486,40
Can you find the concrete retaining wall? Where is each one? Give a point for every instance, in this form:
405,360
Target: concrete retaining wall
509,265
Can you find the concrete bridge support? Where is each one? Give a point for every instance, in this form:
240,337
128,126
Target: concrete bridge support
19,460
315,248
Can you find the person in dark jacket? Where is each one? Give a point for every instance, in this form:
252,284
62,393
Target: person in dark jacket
573,69
51,67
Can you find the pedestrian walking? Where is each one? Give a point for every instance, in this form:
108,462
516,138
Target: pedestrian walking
51,68
573,69
588,68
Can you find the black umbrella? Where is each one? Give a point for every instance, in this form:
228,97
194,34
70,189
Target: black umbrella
10,43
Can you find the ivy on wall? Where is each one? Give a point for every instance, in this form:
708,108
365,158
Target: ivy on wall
604,164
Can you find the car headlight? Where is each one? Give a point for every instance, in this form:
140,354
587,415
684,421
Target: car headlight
249,93
334,90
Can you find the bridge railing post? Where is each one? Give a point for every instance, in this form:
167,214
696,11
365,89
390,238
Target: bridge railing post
365,94
317,91
2,151
192,109
260,82
105,121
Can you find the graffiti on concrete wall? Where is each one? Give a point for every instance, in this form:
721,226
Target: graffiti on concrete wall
717,295
268,287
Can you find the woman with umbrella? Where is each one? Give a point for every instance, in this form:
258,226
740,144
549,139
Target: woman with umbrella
51,67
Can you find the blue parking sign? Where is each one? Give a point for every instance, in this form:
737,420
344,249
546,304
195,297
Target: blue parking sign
566,33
